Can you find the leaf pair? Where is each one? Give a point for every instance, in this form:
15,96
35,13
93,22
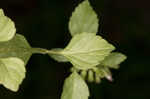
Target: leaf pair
88,52
14,54
86,49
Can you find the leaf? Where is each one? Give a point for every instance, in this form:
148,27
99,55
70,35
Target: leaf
75,88
12,72
7,27
83,19
113,60
87,50
58,57
16,47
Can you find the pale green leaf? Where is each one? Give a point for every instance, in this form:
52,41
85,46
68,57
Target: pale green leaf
12,72
113,60
16,47
58,57
75,88
87,50
7,27
83,19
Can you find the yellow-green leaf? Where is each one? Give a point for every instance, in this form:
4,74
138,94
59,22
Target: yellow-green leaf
87,50
12,72
75,88
83,19
16,47
7,27
113,60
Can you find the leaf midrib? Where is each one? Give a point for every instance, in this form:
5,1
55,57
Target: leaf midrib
68,52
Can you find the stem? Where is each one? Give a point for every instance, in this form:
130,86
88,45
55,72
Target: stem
54,52
39,51
44,51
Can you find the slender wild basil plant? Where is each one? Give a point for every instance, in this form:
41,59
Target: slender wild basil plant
91,56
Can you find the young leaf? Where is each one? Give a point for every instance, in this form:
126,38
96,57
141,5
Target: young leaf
75,88
83,19
113,60
7,27
58,57
12,72
16,47
87,50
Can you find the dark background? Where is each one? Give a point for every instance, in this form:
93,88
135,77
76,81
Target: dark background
125,23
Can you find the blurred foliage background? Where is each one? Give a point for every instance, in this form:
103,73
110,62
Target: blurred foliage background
124,23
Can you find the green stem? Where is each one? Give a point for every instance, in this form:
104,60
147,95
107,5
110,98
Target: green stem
54,52
39,51
44,51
